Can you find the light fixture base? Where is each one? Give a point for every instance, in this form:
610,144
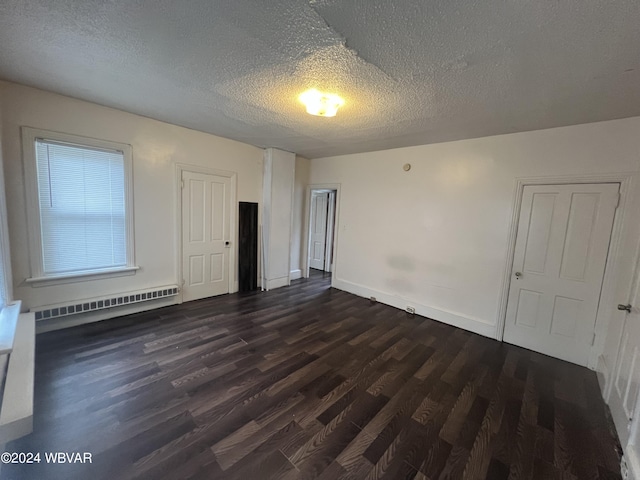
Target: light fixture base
321,104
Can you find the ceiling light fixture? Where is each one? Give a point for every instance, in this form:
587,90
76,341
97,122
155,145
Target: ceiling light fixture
320,103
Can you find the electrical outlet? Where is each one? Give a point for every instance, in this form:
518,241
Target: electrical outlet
411,310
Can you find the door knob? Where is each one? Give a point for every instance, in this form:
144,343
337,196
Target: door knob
624,307
518,274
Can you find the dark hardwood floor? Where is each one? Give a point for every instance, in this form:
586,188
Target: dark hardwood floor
308,382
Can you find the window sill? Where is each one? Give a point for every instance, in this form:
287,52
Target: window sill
82,276
16,413
8,323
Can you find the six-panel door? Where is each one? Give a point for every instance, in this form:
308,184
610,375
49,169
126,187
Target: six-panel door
205,235
319,205
558,267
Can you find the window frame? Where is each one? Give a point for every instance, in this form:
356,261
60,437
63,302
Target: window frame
6,286
38,277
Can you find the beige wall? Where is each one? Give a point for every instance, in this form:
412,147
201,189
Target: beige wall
277,209
436,237
157,148
303,167
6,293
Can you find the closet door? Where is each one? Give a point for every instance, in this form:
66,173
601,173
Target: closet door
248,247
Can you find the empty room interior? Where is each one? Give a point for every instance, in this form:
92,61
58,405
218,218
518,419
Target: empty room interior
355,239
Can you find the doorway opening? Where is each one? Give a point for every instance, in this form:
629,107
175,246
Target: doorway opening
321,232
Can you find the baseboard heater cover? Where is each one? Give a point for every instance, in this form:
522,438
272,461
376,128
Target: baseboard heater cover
100,303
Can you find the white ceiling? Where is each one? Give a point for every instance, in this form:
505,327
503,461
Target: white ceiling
412,72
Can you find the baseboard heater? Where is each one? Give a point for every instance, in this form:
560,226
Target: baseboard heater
100,303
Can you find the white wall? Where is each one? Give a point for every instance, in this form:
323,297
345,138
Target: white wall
301,181
157,147
436,237
277,219
6,292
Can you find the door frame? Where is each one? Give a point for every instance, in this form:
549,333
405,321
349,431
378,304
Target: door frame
629,454
611,268
307,226
233,220
313,219
331,223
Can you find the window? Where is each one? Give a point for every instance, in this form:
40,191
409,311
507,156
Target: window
5,276
3,266
79,204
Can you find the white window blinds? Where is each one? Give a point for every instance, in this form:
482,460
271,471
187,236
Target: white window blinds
82,207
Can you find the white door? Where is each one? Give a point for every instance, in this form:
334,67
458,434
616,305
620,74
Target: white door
558,266
319,205
205,235
331,219
626,381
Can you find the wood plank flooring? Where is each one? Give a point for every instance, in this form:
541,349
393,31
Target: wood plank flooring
308,382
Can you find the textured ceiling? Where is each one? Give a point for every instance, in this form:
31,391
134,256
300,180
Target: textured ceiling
411,72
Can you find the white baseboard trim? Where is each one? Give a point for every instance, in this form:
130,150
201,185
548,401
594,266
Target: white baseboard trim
295,274
277,282
633,465
603,375
453,319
